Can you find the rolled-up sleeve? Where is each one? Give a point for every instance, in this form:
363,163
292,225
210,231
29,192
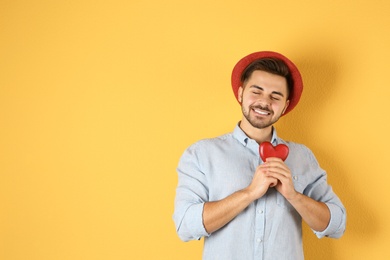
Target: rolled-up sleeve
336,226
320,190
191,194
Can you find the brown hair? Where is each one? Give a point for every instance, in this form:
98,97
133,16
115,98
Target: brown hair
271,65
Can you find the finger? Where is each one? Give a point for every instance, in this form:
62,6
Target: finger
277,166
281,176
272,181
274,159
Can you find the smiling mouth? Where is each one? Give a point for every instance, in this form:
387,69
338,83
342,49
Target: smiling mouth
261,112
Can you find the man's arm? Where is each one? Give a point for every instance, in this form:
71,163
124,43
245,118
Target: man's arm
316,214
217,214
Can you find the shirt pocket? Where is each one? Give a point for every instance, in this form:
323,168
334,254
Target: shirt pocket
283,203
299,187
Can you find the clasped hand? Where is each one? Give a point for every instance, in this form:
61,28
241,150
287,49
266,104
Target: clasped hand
273,173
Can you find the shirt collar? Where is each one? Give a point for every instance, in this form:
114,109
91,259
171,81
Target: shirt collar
244,139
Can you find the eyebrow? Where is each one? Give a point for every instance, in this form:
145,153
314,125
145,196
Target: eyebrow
273,92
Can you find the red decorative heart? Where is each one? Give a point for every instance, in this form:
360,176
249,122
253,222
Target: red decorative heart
266,150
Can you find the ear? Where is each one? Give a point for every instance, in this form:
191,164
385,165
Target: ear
285,108
239,94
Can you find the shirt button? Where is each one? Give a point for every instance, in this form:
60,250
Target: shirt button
295,177
260,211
259,240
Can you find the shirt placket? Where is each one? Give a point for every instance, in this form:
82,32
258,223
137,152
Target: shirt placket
259,229
259,226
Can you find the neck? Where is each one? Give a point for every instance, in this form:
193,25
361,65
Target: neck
258,134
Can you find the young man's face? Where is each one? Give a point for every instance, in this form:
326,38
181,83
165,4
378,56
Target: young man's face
263,99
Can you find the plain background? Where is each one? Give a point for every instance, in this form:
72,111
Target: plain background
98,100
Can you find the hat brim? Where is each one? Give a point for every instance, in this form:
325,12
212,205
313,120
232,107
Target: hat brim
297,84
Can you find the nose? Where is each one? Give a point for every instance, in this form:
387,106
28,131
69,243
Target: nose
264,101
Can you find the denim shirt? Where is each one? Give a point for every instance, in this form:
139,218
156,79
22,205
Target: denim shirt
269,228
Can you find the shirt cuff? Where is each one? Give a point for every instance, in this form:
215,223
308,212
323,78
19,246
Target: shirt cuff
195,221
336,220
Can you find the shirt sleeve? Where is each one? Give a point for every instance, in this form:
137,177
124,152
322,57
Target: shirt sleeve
320,190
191,194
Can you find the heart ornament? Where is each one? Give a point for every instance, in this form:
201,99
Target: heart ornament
266,150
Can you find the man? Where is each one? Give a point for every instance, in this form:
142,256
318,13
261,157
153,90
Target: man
246,208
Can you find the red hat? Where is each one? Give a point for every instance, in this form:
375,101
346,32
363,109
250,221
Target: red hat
297,84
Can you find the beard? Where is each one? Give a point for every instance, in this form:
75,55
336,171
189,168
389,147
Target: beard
256,121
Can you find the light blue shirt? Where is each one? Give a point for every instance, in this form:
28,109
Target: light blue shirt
269,228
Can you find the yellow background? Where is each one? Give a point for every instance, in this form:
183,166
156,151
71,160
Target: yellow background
98,100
